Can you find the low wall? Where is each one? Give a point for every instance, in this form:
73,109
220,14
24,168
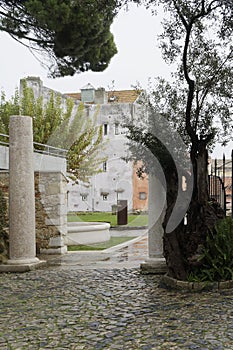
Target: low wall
87,233
42,162
51,210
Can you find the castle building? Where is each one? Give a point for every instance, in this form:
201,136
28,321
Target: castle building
117,179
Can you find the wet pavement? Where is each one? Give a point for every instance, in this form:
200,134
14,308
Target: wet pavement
95,302
126,255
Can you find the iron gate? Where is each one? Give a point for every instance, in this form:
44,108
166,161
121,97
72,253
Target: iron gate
220,183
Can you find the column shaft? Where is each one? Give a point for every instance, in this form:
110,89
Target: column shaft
156,210
21,192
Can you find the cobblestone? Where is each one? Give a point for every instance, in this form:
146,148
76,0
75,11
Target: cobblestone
60,308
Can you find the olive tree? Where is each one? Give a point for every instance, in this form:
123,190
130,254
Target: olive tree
197,40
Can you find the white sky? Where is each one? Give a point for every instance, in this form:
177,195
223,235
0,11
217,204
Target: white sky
138,59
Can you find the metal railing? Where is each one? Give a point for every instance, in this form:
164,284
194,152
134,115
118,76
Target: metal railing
39,147
5,138
220,183
217,191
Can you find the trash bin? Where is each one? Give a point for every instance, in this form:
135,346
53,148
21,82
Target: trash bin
122,212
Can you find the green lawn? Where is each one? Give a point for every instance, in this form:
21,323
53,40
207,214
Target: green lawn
100,246
133,220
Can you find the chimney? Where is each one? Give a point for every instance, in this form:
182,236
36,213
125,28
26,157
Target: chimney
88,93
101,96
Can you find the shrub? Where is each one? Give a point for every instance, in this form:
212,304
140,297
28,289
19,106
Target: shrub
217,254
4,238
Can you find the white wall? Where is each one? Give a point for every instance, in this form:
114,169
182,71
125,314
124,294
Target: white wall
118,174
42,162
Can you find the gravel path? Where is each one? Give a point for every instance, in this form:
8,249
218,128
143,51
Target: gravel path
68,308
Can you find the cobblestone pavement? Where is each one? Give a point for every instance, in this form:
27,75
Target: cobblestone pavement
65,307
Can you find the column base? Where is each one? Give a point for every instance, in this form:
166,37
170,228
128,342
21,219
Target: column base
22,265
156,266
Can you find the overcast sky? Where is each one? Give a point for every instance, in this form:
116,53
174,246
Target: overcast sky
137,60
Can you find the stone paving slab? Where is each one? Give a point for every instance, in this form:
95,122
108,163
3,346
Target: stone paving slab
60,308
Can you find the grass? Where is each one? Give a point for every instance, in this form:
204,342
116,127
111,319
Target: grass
100,246
133,220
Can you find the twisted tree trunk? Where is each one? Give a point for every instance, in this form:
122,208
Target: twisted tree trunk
183,245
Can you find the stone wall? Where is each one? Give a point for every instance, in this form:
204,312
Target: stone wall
51,211
36,84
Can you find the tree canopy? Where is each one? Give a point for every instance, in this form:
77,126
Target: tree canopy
74,35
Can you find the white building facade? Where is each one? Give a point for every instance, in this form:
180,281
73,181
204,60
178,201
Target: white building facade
115,181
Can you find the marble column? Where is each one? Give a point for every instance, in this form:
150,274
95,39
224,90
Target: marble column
155,263
22,239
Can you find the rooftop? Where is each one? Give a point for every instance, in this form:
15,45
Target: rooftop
120,96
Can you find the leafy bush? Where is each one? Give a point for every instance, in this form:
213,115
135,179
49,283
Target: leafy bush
217,255
4,239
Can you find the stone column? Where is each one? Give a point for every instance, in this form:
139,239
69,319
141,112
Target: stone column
156,210
22,242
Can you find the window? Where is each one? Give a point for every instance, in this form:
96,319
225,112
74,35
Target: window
116,129
83,196
142,195
105,129
104,167
105,197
